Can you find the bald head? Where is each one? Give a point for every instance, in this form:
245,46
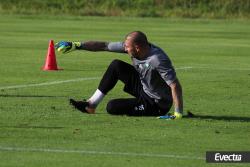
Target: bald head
138,38
136,44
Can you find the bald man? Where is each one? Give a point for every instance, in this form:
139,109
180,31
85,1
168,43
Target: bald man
151,79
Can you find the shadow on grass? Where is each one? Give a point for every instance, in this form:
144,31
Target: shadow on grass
31,96
220,118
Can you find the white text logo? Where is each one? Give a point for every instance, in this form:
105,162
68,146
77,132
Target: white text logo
225,157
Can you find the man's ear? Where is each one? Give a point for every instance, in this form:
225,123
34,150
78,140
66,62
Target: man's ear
137,48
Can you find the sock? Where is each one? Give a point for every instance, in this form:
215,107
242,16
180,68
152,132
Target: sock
96,98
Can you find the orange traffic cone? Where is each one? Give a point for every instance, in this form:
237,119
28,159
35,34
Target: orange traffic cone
50,63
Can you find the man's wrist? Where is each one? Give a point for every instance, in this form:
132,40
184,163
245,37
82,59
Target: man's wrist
77,45
179,110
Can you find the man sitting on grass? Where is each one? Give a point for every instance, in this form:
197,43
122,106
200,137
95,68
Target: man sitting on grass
151,79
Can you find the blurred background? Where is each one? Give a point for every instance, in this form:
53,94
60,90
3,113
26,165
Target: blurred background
134,8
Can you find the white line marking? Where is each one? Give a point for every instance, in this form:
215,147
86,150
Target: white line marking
227,69
60,82
17,149
48,83
94,78
214,68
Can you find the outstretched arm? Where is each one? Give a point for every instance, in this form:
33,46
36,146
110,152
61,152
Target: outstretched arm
93,46
66,47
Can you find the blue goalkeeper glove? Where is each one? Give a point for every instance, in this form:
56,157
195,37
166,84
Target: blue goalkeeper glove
167,117
176,115
66,47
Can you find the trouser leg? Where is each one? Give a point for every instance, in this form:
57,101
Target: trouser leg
141,105
131,107
124,107
119,70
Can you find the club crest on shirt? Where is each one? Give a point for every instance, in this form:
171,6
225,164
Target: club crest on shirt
144,66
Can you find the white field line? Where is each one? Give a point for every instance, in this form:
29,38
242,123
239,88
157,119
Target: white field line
48,83
47,150
60,82
94,78
214,68
218,68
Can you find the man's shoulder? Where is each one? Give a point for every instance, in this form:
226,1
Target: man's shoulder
158,56
156,49
157,52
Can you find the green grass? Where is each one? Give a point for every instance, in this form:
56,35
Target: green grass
138,8
216,89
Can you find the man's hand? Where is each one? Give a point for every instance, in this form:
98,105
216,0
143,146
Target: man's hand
177,115
174,116
66,47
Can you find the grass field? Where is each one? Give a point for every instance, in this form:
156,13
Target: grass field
39,128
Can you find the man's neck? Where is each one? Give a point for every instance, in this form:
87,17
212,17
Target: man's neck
144,52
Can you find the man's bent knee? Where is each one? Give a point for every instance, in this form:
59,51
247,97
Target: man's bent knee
113,107
116,63
110,107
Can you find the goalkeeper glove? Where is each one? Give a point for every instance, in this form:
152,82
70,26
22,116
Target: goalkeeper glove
176,115
66,47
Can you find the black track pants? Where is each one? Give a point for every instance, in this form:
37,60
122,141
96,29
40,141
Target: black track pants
142,104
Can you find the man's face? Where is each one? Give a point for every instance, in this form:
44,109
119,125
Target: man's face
130,47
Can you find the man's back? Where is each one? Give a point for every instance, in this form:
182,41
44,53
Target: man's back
156,73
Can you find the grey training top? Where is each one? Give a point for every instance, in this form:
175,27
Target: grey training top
156,71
